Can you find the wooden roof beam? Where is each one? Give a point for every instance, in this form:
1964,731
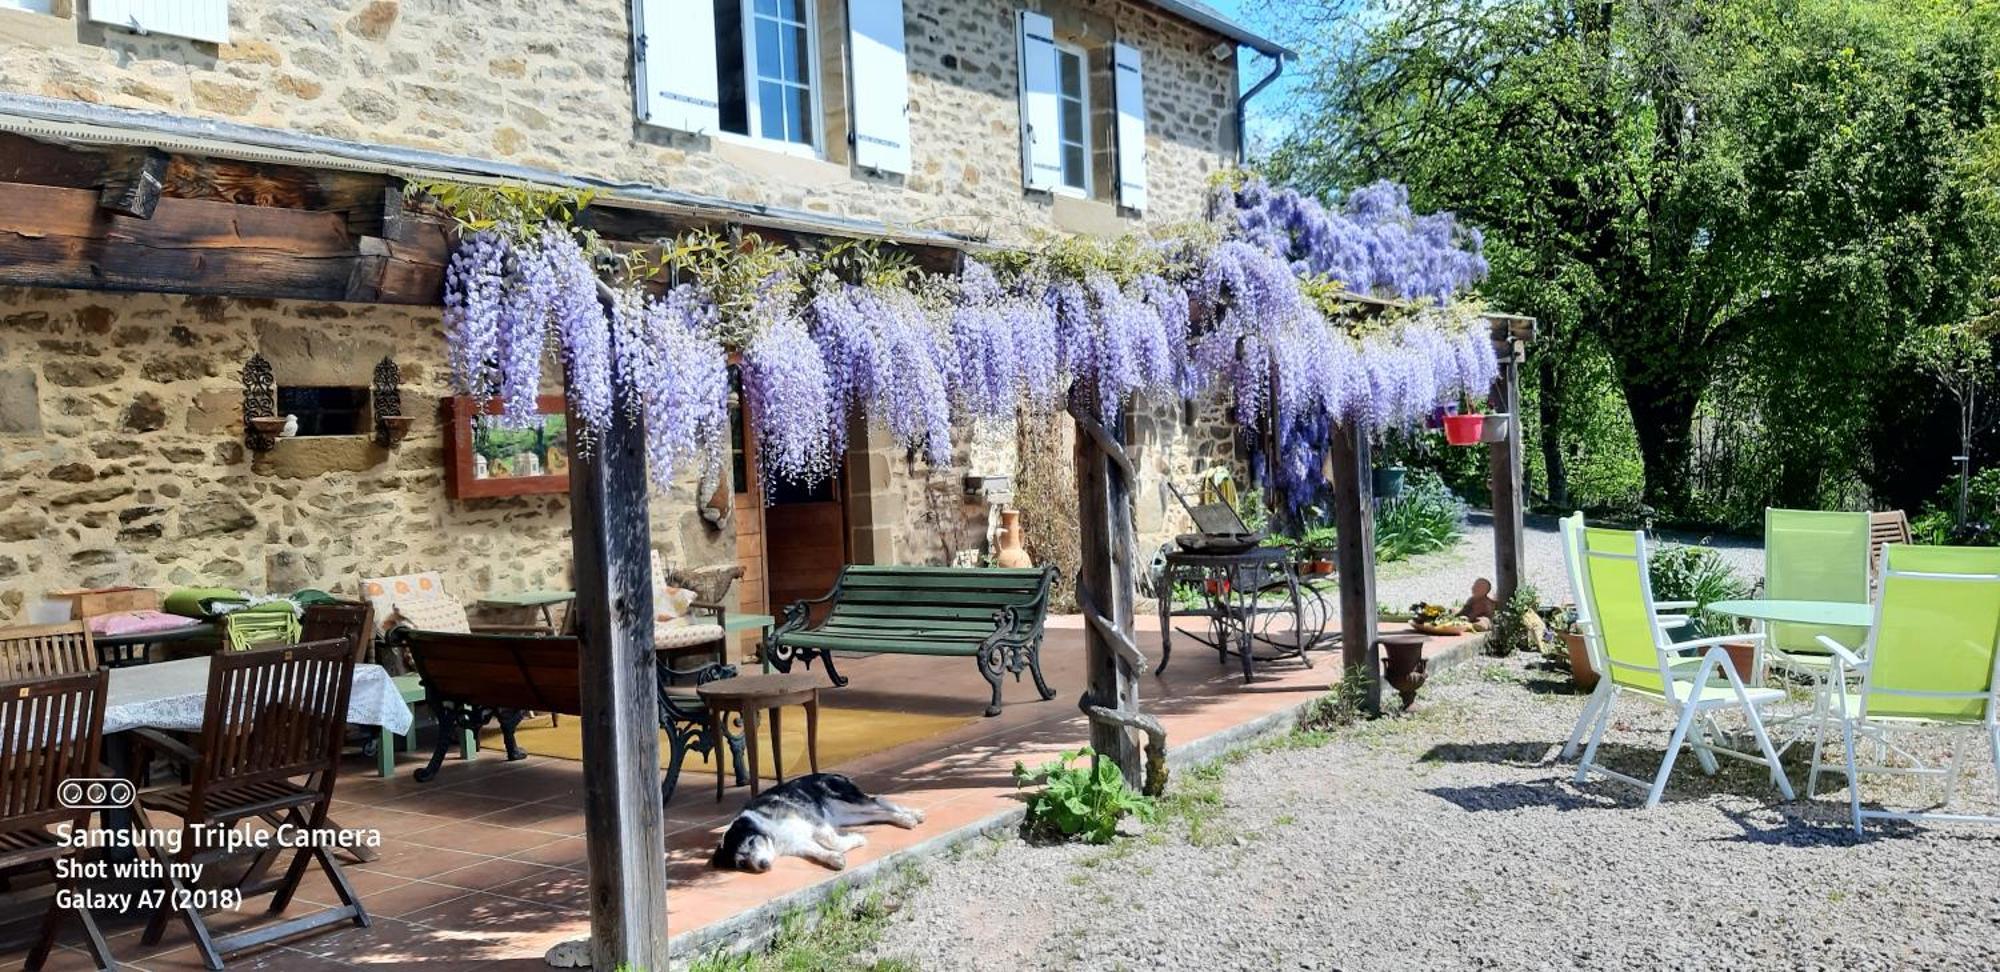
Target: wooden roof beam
59,237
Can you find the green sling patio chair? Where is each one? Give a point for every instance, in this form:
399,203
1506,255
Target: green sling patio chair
1640,662
1571,529
1928,663
1813,555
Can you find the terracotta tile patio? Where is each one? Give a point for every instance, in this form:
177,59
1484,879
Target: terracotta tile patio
483,867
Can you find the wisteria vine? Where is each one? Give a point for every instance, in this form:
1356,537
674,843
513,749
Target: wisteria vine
1252,311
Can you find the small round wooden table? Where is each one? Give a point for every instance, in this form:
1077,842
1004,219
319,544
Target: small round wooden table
749,695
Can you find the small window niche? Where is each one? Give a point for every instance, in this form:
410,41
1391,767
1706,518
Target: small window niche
327,410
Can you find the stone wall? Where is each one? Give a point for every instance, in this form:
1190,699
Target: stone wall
548,85
122,458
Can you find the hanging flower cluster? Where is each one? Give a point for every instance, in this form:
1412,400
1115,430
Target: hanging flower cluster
1245,306
1373,243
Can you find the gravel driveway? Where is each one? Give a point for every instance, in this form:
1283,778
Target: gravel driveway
1450,839
1446,578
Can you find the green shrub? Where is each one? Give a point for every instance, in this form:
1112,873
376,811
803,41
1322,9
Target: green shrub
1343,706
1682,572
1428,517
1938,523
1511,631
1083,801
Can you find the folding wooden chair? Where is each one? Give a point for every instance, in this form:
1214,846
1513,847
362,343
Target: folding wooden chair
269,749
46,650
51,729
352,622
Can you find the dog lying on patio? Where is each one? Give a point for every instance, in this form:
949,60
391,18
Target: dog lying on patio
804,818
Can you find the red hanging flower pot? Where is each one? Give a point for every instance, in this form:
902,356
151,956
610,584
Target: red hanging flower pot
1473,429
1464,430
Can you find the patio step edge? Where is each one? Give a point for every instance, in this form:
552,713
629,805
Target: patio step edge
753,929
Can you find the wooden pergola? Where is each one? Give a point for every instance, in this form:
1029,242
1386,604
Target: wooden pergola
139,218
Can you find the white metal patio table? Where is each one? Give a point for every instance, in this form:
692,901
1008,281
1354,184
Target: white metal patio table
1824,614
1831,614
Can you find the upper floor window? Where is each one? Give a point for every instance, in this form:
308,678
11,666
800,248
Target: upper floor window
767,61
1073,94
1062,139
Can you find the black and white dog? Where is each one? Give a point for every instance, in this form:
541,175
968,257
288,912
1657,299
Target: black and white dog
803,818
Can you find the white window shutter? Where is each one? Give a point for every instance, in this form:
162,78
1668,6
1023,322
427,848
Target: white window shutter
673,71
1128,85
1041,109
881,72
203,20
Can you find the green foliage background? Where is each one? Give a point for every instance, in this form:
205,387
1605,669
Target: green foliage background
1728,215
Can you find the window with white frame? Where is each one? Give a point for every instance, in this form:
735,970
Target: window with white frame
31,6
753,68
767,60
1073,97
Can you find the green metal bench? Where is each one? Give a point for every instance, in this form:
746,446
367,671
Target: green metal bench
992,615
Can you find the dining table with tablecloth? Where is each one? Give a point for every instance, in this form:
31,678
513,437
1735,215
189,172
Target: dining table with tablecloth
174,695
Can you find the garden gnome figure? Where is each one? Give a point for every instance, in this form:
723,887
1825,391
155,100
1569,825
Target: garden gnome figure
1480,606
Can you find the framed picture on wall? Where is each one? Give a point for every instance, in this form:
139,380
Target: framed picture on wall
483,458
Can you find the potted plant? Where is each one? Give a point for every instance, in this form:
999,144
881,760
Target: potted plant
1684,572
1389,481
1477,427
1569,629
1318,546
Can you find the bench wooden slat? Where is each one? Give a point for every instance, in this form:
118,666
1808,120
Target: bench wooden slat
982,616
918,599
897,635
873,645
903,625
953,582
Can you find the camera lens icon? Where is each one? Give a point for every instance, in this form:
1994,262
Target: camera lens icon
94,794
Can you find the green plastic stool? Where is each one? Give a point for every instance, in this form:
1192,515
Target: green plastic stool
411,688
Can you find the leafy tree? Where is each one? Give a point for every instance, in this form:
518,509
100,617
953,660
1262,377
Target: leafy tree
1960,360
1764,194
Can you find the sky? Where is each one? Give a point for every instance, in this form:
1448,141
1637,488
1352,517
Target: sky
1268,121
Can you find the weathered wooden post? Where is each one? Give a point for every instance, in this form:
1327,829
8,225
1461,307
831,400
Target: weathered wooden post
623,818
1504,458
1354,551
1104,592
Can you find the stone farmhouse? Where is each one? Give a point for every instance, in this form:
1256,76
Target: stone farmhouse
188,185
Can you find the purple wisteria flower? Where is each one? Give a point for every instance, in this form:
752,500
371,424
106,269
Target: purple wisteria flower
788,396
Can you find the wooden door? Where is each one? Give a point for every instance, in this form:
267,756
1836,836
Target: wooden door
792,548
805,540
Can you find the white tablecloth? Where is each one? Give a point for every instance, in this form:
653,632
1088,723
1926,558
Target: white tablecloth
172,695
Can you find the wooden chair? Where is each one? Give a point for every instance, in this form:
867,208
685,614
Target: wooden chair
349,621
52,728
1888,526
269,749
46,650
